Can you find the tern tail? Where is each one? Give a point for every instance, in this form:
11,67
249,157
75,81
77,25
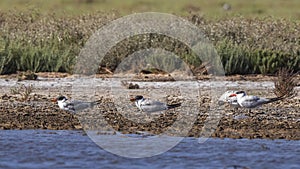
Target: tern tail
95,103
270,100
171,106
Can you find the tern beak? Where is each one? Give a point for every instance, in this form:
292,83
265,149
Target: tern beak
132,99
232,95
54,100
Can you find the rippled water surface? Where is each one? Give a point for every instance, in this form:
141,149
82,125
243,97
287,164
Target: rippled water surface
73,149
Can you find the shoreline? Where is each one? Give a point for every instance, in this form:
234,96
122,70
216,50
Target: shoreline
233,124
278,120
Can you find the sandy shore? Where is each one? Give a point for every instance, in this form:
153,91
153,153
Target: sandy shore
196,117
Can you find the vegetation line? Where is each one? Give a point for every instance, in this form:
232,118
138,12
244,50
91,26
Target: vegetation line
50,43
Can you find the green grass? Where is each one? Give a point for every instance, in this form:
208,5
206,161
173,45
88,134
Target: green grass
52,56
242,60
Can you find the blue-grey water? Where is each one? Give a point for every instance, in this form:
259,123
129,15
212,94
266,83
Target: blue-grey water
73,149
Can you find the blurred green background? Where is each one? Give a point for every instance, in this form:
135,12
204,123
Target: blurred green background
208,8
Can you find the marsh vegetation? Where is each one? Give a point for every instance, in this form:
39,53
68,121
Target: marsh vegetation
45,41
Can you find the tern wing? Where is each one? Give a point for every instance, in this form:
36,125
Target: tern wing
152,106
81,106
253,101
70,107
251,98
77,105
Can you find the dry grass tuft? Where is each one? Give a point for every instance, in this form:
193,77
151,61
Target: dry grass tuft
23,90
285,83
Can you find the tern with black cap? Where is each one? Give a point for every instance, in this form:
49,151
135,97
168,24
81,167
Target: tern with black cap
73,106
249,101
149,106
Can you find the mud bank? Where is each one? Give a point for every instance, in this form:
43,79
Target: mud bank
279,120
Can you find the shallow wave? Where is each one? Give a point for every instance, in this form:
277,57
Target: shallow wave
74,149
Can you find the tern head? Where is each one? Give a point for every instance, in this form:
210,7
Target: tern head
61,101
136,98
61,98
238,94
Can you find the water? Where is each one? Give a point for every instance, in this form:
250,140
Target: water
73,149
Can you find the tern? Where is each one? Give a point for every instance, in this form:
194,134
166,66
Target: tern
150,106
73,106
249,101
227,97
